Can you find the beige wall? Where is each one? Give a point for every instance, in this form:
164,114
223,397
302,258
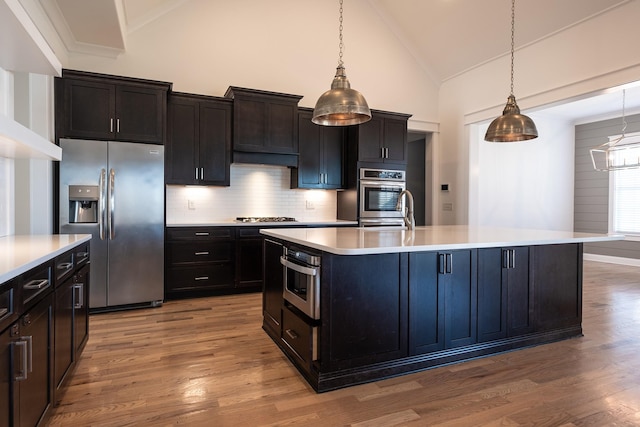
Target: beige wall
288,46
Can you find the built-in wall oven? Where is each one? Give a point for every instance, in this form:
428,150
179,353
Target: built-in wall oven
379,192
301,287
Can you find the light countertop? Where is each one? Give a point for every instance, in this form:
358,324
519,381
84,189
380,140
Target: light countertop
376,240
22,253
233,223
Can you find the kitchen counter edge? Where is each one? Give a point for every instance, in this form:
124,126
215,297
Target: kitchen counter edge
23,252
379,240
267,224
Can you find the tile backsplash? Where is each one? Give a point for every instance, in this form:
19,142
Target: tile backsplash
256,190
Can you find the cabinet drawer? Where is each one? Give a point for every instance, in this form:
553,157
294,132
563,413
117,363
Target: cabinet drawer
200,252
81,254
200,233
35,284
64,265
8,311
299,336
200,278
248,232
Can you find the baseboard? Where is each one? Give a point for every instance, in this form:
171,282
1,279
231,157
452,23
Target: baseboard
612,259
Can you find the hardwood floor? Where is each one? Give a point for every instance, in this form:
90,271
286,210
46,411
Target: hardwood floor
207,362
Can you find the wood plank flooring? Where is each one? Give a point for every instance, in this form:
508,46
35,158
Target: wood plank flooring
207,362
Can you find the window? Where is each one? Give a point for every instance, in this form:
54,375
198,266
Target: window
625,194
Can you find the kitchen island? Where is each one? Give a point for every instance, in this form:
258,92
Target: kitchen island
394,301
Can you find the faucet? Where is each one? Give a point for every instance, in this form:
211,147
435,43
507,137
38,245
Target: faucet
409,219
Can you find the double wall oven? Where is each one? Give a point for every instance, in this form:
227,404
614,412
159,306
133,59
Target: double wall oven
379,190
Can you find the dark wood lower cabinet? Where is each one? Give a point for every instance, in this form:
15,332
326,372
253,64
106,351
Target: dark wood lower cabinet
384,315
272,303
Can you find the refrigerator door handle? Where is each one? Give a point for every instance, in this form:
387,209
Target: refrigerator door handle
102,203
112,199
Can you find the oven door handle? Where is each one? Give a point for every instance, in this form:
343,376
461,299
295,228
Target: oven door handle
299,268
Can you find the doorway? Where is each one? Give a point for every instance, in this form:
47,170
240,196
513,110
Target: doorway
419,175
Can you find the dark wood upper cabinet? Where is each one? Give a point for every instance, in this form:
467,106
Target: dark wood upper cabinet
97,106
381,140
199,140
320,163
264,123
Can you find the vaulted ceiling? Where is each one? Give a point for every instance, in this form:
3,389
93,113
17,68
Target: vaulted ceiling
447,37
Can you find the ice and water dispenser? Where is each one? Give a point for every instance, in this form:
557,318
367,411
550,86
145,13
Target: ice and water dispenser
83,203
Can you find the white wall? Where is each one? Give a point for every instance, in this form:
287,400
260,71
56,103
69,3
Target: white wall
523,185
25,184
257,190
591,56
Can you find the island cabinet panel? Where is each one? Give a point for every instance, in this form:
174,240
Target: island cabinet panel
364,309
442,300
557,274
272,302
505,293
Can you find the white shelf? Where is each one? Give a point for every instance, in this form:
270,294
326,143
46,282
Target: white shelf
19,142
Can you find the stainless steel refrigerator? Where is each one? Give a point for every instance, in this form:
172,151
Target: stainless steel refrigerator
115,192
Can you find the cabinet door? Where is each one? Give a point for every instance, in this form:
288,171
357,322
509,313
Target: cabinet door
370,140
64,348
140,113
182,141
89,109
310,146
492,295
457,275
395,140
520,295
426,304
81,287
272,288
35,392
282,136
557,272
249,262
377,330
214,154
332,153
6,382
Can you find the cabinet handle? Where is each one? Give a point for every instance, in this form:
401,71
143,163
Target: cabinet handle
36,284
202,278
64,266
118,125
23,373
445,263
196,174
202,253
202,234
3,312
386,152
291,334
509,258
78,303
382,152
111,124
512,261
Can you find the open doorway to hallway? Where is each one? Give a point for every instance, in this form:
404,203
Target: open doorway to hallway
420,175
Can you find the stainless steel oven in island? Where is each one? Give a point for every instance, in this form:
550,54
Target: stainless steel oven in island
115,192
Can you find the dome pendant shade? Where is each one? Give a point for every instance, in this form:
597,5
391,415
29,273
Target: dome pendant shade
511,126
341,105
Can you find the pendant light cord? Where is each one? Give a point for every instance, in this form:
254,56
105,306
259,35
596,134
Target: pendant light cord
340,63
513,20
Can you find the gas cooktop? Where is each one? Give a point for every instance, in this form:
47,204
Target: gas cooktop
265,219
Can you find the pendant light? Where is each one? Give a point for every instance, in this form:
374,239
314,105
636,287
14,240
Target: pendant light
341,105
511,126
618,153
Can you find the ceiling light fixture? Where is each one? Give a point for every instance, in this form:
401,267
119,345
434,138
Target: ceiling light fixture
511,126
620,152
341,105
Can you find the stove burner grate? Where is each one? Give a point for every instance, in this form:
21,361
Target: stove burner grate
265,219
